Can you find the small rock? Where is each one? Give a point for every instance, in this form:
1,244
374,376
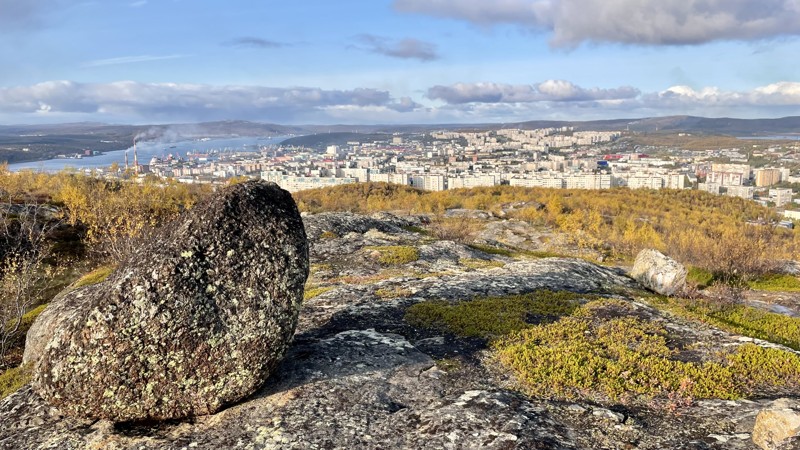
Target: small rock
577,409
608,415
778,425
658,272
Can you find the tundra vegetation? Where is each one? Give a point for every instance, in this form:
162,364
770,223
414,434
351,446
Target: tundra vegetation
566,346
94,223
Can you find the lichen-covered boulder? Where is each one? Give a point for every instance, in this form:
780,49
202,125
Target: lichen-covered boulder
195,319
778,426
658,272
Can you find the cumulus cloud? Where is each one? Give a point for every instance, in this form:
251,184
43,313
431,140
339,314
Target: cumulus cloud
255,42
408,48
547,91
558,98
784,93
128,99
647,22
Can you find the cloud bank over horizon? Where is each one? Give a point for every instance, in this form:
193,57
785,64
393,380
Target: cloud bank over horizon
468,102
643,22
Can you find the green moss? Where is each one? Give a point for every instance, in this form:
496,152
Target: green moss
414,229
13,379
492,317
474,263
701,277
96,276
395,255
328,235
627,359
740,319
492,250
515,252
29,317
310,293
779,283
538,254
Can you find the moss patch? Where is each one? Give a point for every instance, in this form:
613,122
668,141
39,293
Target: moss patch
415,229
310,293
395,255
625,359
779,283
492,250
492,317
740,319
328,235
96,276
13,379
474,263
701,277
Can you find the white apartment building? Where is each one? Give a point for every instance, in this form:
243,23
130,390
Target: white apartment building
745,192
587,181
709,187
293,183
545,181
470,181
726,178
780,196
429,182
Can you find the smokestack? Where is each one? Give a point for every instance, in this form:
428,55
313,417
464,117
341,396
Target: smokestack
135,158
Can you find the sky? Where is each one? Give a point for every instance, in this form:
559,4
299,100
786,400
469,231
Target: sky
396,61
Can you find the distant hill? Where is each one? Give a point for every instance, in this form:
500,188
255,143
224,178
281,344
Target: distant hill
321,140
46,141
724,125
20,143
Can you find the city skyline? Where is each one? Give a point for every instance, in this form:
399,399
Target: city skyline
395,61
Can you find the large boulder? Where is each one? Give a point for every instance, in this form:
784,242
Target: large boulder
778,426
195,319
658,272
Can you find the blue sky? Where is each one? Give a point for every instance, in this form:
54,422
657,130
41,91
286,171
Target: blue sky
395,61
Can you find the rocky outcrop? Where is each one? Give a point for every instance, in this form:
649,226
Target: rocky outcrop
658,272
58,311
778,426
359,376
196,319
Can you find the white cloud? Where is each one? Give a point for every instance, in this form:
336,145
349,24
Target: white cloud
565,100
550,90
407,48
170,101
128,101
646,22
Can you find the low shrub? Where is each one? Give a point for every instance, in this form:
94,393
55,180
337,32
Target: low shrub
626,359
310,293
492,250
736,318
474,263
776,282
395,255
700,277
96,276
13,379
493,317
